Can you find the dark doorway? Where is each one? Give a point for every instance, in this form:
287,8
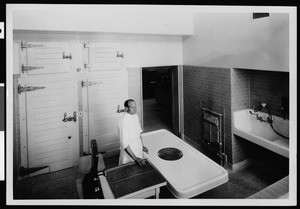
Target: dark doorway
158,98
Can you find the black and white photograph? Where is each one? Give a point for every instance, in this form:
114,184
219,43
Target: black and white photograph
111,104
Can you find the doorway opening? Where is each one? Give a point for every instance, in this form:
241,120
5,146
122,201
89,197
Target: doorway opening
160,108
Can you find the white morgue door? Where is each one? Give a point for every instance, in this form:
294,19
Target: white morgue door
104,96
48,104
104,89
51,118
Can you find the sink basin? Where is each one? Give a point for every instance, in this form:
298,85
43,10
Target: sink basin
248,127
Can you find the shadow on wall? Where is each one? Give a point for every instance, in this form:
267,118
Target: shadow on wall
242,59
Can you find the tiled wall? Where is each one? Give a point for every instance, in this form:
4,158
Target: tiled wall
240,86
233,89
269,87
212,86
249,89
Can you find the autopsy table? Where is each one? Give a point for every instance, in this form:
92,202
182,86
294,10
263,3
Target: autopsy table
131,181
188,176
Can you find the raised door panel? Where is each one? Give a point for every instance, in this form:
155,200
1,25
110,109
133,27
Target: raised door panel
47,58
104,56
51,141
104,96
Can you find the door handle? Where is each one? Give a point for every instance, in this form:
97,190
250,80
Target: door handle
66,56
70,118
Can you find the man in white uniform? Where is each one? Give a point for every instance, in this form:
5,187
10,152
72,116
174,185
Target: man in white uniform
129,129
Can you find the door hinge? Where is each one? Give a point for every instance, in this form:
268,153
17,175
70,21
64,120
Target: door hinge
86,45
25,45
90,45
90,83
88,65
22,89
83,83
92,65
27,68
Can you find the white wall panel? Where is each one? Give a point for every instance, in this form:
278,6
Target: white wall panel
236,40
103,18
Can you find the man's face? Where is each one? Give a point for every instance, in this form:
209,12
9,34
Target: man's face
131,109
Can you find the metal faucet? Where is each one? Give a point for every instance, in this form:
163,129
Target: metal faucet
258,108
268,120
270,117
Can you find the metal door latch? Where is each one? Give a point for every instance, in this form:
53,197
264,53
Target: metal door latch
120,55
66,119
67,56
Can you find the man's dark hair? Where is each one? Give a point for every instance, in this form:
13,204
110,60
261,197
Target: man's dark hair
127,101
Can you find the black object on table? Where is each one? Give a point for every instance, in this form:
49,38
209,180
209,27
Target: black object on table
129,178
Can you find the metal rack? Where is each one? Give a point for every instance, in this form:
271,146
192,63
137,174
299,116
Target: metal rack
212,143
